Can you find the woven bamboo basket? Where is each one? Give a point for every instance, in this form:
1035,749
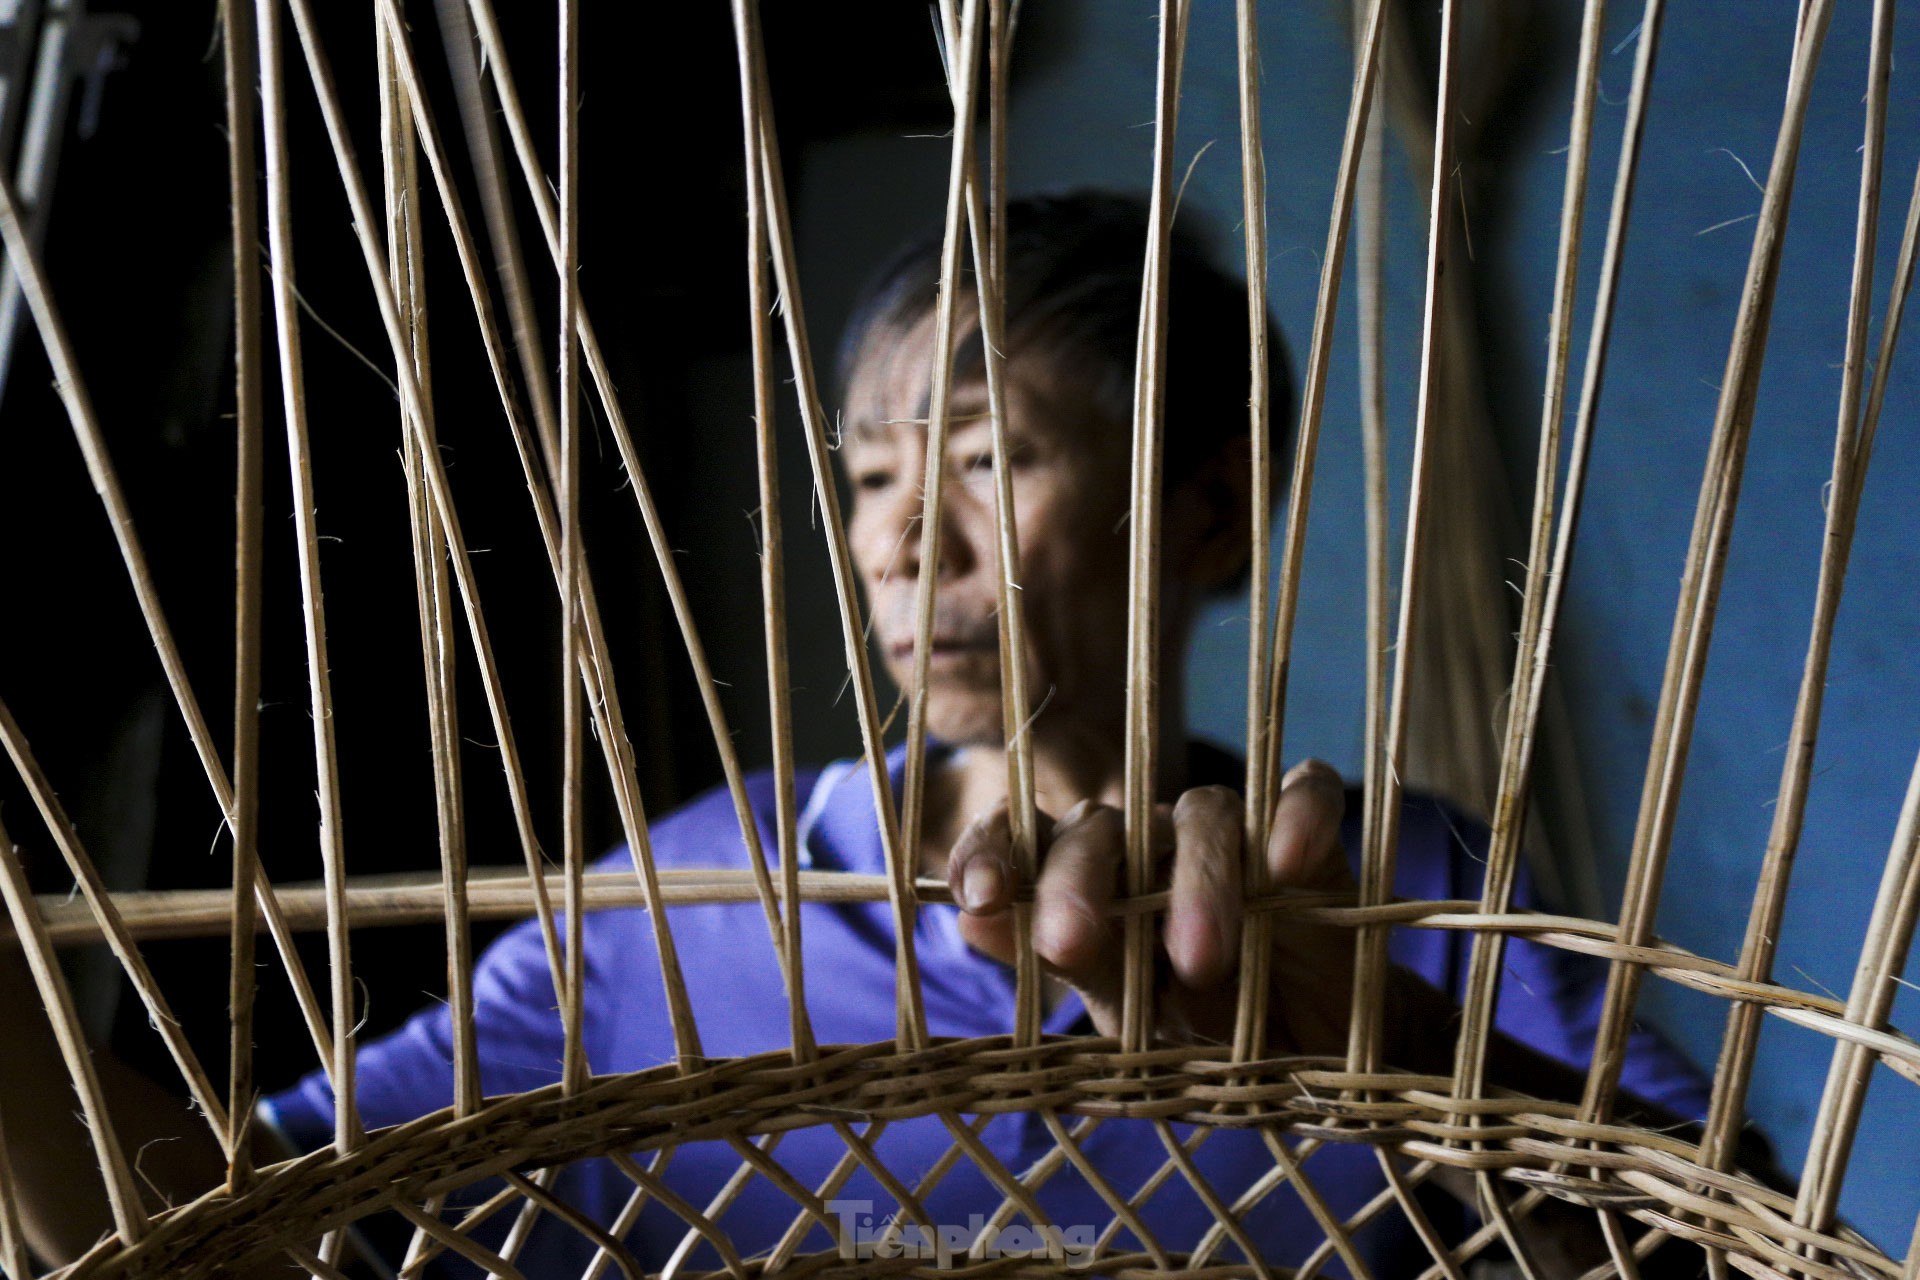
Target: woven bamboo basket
472,1183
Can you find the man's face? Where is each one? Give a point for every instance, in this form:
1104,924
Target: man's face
1069,467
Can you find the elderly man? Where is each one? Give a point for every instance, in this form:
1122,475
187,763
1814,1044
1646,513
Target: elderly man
1074,271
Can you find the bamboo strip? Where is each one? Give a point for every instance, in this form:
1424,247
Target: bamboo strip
1338,1238
830,1186
663,553
666,1195
239,59
1853,448
1158,1178
123,1196
346,1122
609,1244
964,61
316,1266
773,578
609,719
1882,956
1015,697
911,1003
13,1241
1010,1185
1534,646
1369,297
480,119
407,260
1034,1179
487,1260
1216,1234
1852,451
1256,941
1263,787
321,77
1068,1144
1430,1239
1494,1206
1476,1243
99,904
1177,1152
989,293
760,1159
573,749
1365,1214
623,1221
1700,586
1143,527
30,273
860,1147
1376,879
1313,400
716,1207
1003,20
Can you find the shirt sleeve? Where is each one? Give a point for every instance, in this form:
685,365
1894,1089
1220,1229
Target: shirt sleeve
409,1072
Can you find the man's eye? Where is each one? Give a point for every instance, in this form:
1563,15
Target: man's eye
873,479
981,463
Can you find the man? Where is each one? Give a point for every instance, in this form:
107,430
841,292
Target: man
1074,269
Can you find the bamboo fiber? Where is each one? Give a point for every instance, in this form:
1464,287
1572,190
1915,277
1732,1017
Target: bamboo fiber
474,1179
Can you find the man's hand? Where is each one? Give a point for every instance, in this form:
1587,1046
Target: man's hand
1198,844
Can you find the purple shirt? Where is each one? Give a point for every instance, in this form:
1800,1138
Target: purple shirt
1550,999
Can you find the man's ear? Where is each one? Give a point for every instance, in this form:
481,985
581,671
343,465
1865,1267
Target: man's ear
1211,518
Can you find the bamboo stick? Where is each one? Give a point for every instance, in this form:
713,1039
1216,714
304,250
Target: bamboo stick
1853,447
100,907
30,273
1369,298
1143,593
1706,558
123,1196
573,819
773,577
240,59
1533,649
1376,879
1016,713
1256,940
1263,787
610,724
602,382
911,1003
1883,955
346,1128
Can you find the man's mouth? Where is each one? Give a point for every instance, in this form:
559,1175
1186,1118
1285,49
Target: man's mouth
945,649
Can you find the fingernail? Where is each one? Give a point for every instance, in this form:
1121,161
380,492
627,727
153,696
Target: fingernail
980,885
1076,813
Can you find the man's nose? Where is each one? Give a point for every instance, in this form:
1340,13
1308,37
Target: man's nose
958,555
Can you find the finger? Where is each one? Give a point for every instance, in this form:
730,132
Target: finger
1203,915
980,868
981,875
1071,930
1303,844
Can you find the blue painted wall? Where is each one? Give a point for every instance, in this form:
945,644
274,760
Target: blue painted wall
1081,117
1718,94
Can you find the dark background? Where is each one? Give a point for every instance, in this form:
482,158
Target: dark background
139,256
